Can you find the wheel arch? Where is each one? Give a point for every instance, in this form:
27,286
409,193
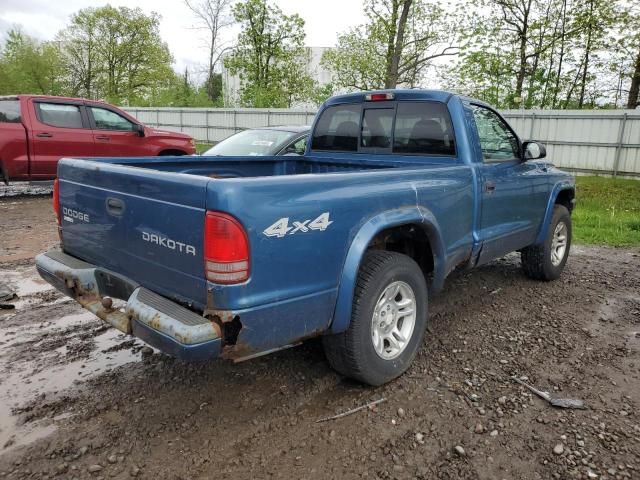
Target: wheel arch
171,152
563,193
418,218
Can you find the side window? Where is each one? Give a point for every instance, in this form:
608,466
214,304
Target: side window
108,120
423,128
10,111
497,141
337,129
298,148
60,115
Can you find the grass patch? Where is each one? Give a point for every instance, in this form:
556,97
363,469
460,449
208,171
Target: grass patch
202,147
607,211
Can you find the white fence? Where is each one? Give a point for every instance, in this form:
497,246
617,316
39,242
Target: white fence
586,141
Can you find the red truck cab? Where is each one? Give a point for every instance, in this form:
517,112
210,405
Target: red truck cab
36,131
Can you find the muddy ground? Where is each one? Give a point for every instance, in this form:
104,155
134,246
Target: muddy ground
78,400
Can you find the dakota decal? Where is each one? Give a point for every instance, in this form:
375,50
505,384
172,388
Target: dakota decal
167,242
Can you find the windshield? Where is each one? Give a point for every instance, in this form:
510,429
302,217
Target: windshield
251,142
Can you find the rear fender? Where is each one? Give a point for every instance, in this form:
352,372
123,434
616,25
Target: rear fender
393,218
544,228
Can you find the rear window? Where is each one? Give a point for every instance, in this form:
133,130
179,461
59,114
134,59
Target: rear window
60,115
338,129
10,111
423,128
419,128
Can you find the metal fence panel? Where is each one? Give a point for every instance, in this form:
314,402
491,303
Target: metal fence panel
590,141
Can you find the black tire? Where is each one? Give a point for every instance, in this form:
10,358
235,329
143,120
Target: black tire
352,352
536,259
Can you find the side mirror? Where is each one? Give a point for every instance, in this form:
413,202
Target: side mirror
533,150
139,129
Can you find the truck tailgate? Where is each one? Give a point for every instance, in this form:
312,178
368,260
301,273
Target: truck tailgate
141,223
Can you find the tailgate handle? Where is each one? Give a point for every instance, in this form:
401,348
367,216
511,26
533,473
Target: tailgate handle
115,206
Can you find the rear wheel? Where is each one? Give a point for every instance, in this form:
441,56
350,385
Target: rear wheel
388,320
546,261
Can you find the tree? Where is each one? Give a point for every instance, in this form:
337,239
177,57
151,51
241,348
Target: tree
541,53
177,91
29,66
397,44
270,57
629,44
114,53
212,15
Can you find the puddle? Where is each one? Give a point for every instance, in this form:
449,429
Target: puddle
24,282
18,189
32,377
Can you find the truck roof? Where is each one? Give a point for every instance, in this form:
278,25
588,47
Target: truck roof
399,94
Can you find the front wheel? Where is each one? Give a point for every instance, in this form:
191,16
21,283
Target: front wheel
546,261
388,320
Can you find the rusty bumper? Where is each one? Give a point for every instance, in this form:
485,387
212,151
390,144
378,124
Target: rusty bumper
156,320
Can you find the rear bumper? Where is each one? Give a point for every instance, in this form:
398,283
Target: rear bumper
154,319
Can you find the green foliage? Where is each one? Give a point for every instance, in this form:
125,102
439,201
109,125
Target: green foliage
178,91
115,53
396,46
358,61
270,57
541,54
108,53
607,211
28,66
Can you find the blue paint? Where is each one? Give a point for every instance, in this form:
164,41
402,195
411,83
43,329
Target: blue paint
302,284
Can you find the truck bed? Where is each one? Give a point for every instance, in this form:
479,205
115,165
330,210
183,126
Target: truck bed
230,167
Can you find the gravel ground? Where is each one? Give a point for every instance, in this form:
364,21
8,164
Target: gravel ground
78,400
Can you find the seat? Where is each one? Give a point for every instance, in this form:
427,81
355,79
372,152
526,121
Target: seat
427,136
346,136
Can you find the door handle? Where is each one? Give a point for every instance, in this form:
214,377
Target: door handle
489,186
102,137
115,206
44,135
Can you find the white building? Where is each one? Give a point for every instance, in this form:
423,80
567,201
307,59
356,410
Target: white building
231,83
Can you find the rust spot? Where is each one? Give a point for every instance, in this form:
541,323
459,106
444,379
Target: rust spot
234,352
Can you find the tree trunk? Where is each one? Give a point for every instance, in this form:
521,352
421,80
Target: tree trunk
634,91
522,68
393,61
556,89
587,51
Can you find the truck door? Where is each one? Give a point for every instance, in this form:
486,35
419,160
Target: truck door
514,193
59,129
114,134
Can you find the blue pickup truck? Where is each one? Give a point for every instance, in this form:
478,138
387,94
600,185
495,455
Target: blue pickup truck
235,257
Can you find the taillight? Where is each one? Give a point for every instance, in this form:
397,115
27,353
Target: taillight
226,249
56,199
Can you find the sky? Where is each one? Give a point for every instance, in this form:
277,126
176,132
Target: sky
43,19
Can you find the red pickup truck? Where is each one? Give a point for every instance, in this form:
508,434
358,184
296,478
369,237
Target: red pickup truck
36,131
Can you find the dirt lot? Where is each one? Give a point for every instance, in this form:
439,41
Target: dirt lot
78,400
